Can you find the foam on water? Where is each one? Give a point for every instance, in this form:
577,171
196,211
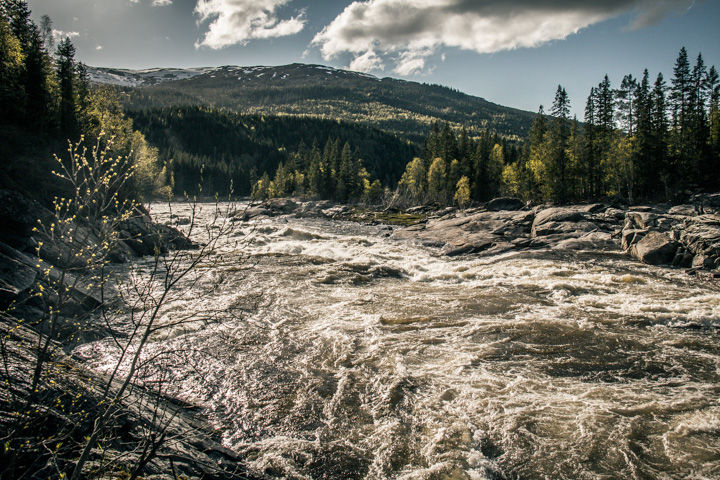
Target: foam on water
370,358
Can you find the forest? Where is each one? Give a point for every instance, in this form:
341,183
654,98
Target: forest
643,140
206,149
47,101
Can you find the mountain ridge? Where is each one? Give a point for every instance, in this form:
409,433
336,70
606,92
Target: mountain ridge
405,108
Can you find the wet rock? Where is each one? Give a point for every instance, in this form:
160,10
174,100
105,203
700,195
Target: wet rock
655,248
145,237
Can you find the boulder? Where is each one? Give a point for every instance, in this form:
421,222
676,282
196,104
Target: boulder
640,220
282,205
655,248
504,203
631,236
144,236
556,220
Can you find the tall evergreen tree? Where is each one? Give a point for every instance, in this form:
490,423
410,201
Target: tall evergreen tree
66,76
559,138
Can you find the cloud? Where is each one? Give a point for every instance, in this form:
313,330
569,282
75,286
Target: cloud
60,35
367,62
412,62
238,21
161,3
412,30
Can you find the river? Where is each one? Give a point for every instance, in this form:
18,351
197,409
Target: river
362,357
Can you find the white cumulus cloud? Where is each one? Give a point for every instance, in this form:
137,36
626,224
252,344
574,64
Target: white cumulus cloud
367,62
410,31
238,21
60,35
161,3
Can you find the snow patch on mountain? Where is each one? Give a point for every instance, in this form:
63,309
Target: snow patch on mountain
152,76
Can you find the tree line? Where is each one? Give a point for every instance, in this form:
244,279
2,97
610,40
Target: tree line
204,150
642,140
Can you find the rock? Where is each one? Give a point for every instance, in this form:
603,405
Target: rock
18,216
640,219
684,210
504,203
631,236
283,205
313,209
556,220
253,212
144,236
595,208
701,234
706,203
596,241
683,258
655,248
18,274
702,261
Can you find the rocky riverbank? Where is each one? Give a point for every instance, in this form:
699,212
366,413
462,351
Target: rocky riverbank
684,236
43,429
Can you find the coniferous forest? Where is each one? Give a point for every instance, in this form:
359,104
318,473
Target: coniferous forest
643,139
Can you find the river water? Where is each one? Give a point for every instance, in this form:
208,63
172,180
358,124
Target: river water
363,357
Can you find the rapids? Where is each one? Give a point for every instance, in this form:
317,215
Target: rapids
362,357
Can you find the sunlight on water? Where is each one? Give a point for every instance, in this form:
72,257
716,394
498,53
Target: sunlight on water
370,358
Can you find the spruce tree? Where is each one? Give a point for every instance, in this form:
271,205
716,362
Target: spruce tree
66,76
559,138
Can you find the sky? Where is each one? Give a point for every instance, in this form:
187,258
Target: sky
510,52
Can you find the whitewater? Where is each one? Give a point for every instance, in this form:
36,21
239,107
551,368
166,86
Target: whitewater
336,351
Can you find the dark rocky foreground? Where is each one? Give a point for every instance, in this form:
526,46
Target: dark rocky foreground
684,236
52,433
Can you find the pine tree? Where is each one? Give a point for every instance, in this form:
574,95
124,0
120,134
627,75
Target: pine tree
624,99
66,76
559,137
659,133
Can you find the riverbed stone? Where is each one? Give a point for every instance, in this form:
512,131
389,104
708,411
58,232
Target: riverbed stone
655,248
559,220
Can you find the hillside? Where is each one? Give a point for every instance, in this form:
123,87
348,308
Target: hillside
404,108
227,146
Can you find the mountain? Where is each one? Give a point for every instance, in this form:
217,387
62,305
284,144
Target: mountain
404,108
